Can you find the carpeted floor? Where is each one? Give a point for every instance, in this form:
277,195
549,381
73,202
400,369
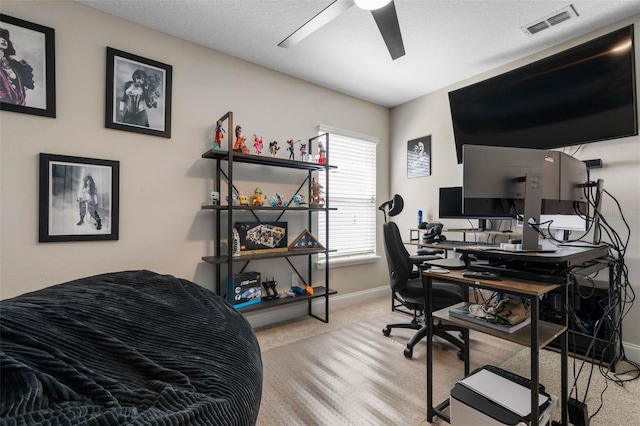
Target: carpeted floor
347,373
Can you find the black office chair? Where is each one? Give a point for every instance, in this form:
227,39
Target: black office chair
406,284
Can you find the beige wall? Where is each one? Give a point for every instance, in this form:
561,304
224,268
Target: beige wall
430,115
163,182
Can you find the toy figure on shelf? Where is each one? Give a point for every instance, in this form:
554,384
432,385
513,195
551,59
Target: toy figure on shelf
215,197
257,144
316,193
239,145
322,153
218,136
298,199
243,200
303,152
278,201
290,146
302,291
270,288
258,198
234,198
274,148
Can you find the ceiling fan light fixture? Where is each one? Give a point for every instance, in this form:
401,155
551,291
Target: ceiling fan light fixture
371,4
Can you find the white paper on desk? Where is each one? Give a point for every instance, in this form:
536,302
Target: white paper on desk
502,391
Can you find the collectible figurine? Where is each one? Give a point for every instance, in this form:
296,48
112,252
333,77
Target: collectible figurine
291,144
239,145
278,201
257,144
298,199
303,151
269,287
218,136
234,198
215,197
258,198
322,153
316,193
243,200
273,148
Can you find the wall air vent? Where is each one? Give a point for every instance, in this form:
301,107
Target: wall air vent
555,18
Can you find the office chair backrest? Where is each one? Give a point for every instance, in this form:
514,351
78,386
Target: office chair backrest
400,266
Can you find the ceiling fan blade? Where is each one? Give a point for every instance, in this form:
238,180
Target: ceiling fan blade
387,20
327,14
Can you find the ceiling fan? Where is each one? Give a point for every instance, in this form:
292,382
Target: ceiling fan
383,11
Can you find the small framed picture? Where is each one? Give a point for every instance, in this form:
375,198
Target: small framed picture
419,157
27,67
79,198
138,97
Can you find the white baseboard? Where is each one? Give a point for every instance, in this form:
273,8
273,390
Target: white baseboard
632,352
286,313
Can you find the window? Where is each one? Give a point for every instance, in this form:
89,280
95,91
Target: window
352,190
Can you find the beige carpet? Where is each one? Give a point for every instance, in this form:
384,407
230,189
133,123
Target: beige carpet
620,405
355,376
348,373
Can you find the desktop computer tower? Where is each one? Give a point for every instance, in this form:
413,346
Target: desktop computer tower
591,321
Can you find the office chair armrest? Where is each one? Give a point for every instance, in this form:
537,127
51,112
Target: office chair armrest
429,251
417,260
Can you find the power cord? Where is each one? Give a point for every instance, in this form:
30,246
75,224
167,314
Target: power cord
619,302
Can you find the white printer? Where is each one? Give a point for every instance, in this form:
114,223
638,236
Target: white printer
490,396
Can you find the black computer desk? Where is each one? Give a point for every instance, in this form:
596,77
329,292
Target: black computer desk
537,335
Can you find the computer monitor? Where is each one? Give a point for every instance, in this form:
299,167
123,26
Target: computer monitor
560,224
522,182
450,207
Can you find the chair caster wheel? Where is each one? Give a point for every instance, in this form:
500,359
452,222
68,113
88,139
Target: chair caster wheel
461,355
408,353
386,331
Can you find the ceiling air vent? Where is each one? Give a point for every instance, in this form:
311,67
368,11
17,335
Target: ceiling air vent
555,18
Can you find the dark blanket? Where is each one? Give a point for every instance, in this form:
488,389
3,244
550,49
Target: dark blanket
134,348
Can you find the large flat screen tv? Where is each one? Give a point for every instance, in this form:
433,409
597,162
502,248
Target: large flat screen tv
581,95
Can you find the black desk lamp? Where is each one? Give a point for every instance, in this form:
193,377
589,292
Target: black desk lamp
395,206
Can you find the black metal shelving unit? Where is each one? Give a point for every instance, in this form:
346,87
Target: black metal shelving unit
229,157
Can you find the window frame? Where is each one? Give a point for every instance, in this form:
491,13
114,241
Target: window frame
368,216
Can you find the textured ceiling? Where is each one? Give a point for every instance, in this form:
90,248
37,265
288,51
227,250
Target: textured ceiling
445,41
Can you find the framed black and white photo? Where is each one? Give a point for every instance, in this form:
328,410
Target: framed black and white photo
138,95
419,157
27,67
79,198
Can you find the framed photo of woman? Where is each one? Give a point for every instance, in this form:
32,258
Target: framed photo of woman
27,67
138,97
79,198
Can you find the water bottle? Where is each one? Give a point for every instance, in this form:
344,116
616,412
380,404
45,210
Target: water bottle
419,217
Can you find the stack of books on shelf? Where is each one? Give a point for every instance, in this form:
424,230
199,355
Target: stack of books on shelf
462,312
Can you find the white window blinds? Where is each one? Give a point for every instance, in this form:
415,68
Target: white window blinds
352,190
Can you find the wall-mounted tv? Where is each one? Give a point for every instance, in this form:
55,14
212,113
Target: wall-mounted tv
581,95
